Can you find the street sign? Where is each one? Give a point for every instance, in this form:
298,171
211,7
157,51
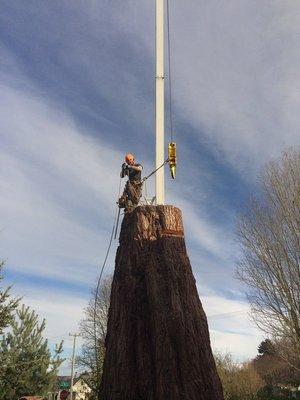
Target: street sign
64,385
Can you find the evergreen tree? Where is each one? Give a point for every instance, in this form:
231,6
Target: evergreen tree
266,347
7,304
27,366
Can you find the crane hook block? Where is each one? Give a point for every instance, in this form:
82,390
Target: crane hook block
172,158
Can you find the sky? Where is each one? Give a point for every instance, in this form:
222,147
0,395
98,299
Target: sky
77,87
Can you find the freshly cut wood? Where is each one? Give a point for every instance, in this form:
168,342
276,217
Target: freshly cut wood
157,344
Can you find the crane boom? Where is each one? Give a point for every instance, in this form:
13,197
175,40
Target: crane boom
159,103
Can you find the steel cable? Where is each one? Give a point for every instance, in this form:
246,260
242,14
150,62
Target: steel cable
169,67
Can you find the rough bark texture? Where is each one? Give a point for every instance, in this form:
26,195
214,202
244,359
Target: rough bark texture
157,345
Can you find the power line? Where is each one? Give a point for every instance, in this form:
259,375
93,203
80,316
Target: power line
62,336
227,313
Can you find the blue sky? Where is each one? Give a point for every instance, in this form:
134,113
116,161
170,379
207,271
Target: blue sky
77,93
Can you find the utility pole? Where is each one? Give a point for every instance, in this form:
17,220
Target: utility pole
159,103
75,335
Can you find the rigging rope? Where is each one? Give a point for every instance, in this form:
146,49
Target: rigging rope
114,228
100,277
112,235
153,172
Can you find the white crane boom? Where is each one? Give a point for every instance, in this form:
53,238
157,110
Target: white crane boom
159,103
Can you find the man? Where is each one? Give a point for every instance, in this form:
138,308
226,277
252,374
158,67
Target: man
133,188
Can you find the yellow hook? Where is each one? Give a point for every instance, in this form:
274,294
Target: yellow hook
172,158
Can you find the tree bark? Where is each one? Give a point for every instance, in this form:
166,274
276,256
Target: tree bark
157,343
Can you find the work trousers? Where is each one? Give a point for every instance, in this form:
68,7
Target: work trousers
133,191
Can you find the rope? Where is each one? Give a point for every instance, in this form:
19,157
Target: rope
100,277
153,172
146,190
170,77
113,231
143,180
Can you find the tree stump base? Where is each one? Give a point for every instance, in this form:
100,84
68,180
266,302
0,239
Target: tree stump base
157,344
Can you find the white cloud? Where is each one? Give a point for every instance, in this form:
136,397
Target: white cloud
235,68
236,74
62,313
211,237
230,327
55,182
58,187
241,347
57,190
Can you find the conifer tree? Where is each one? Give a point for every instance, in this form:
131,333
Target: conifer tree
7,304
266,347
27,366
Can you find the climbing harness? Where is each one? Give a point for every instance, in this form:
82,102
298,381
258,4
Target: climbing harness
123,200
131,195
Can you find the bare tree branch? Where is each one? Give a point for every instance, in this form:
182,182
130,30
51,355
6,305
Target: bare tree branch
90,360
269,234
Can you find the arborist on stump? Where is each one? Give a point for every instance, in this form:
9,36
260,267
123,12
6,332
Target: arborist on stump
133,188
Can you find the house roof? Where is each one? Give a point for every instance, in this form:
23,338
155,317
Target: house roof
30,398
64,378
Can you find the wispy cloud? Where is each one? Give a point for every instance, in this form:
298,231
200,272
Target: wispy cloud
77,91
230,327
58,183
57,187
236,74
62,312
57,190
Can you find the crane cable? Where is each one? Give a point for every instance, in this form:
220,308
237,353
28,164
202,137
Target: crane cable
172,152
169,75
117,208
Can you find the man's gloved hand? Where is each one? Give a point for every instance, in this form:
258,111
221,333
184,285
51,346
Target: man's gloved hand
124,166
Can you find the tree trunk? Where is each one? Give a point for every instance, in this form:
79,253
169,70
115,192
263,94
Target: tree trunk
157,344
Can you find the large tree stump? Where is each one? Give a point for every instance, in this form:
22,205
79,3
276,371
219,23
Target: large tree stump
157,344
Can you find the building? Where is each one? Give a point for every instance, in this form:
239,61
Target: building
31,398
81,389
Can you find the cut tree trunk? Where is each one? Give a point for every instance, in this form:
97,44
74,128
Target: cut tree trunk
157,344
